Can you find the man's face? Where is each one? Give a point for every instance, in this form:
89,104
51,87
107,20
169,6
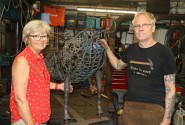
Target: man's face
143,28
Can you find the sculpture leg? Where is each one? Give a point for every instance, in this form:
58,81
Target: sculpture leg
66,97
99,86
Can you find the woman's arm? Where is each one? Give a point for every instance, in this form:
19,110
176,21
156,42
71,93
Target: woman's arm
60,86
20,76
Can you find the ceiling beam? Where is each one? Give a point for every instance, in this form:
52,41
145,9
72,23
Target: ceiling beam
104,3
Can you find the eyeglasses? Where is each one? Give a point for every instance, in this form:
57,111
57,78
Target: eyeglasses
141,26
38,37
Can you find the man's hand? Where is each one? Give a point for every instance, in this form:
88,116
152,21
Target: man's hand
104,43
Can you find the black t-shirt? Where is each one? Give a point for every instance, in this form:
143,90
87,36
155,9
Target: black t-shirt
146,70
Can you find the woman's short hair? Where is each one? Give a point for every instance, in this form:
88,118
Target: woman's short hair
35,25
150,15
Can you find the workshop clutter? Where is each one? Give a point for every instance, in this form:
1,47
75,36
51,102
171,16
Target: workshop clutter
54,15
119,79
93,86
82,21
70,21
179,116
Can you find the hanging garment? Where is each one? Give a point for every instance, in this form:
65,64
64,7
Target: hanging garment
45,17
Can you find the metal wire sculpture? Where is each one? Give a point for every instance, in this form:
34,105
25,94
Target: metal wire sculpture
75,60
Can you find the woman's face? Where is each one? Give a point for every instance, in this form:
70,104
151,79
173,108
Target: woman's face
37,41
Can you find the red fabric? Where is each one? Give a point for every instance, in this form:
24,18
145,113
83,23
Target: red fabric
57,15
38,90
35,12
107,23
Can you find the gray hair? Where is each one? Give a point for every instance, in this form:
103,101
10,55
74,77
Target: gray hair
35,25
150,15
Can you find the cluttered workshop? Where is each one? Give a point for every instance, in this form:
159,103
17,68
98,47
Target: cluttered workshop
82,62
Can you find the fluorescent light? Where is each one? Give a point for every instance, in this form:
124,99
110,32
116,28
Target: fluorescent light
106,10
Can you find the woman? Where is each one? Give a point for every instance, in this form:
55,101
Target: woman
30,90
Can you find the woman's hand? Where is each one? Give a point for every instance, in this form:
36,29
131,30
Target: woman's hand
61,87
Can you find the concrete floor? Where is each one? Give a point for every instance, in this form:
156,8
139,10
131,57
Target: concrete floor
84,107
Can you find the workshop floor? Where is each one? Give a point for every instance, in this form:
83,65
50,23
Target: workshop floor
81,105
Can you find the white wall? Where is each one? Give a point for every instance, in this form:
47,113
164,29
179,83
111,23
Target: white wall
160,35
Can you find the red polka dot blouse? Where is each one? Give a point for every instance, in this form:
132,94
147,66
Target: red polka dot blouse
38,90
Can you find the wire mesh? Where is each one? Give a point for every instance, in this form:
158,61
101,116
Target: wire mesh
79,57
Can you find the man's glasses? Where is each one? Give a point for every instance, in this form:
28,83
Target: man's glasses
141,26
38,37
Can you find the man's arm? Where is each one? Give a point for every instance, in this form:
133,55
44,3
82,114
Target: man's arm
169,98
115,62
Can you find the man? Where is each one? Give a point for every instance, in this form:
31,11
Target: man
151,68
